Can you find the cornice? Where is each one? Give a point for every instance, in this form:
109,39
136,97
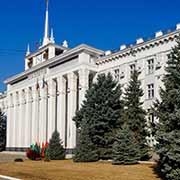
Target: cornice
61,58
139,47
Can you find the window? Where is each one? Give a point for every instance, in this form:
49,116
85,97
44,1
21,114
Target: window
151,117
150,91
150,66
116,74
132,68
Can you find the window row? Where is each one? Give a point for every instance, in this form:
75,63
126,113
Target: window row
150,69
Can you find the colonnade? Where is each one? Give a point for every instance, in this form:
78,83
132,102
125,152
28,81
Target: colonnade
36,111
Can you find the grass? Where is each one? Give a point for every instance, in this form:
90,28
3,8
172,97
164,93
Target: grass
67,170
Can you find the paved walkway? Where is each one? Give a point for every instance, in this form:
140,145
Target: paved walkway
10,156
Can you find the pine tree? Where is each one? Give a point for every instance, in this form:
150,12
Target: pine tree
2,131
168,112
85,149
101,111
125,148
56,150
134,114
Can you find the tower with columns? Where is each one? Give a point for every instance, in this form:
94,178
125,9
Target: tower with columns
45,97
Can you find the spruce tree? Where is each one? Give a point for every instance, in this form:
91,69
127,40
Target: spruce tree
2,131
85,149
125,148
56,150
134,114
101,111
168,113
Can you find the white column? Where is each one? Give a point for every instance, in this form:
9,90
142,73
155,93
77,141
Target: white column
16,119
13,121
83,84
9,122
51,108
42,120
28,119
72,106
22,117
34,114
61,107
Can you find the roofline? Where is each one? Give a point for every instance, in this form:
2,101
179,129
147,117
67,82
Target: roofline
135,46
64,57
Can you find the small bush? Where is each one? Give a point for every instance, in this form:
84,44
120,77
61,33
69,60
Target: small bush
33,155
18,160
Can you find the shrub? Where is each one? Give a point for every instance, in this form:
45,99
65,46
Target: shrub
18,160
33,155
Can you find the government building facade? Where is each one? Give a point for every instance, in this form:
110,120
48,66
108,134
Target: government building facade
47,94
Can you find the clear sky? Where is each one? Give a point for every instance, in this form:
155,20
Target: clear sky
105,24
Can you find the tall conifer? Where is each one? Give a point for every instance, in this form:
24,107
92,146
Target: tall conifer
168,112
101,111
134,114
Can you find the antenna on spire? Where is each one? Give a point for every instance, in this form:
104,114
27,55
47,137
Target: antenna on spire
47,4
46,29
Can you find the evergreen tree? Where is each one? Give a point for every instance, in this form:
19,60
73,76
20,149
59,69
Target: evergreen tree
125,148
2,131
85,149
101,111
134,114
168,112
56,150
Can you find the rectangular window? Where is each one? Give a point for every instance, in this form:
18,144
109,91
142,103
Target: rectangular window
116,74
132,68
150,116
150,66
150,91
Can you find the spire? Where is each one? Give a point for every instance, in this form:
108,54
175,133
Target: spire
65,44
46,29
28,50
52,36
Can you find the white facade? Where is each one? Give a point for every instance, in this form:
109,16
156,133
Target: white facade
46,95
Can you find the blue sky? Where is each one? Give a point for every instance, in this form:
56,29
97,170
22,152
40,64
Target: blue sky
105,24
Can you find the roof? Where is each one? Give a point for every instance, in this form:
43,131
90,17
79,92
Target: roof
61,58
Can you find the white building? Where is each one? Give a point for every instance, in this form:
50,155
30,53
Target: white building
46,95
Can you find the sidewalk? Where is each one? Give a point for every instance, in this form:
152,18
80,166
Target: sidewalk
10,156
